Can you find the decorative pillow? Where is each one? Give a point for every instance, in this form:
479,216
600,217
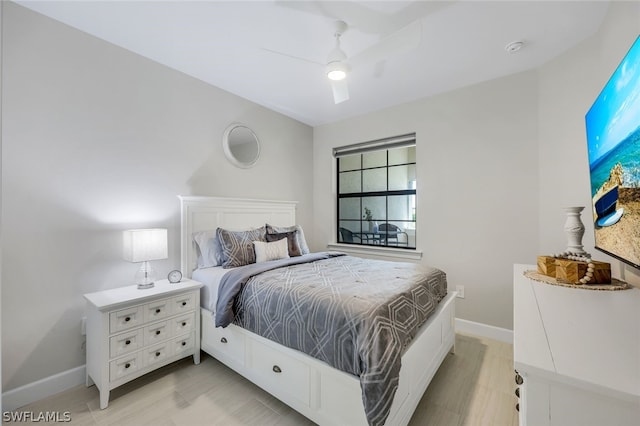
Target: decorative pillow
302,243
208,249
237,246
292,241
271,251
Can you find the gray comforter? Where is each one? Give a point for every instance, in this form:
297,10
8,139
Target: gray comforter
357,315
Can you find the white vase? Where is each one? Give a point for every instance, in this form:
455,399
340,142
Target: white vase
574,229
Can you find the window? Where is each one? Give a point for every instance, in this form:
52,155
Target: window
377,192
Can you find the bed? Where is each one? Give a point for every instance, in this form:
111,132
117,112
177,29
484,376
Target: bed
322,393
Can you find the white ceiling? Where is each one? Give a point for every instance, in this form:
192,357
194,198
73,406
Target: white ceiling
227,43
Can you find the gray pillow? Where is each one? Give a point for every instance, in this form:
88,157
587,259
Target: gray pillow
237,246
299,234
292,241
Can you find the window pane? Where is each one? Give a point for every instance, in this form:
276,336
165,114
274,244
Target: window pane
397,233
374,180
401,207
349,209
402,155
350,182
400,177
349,162
374,159
348,231
377,207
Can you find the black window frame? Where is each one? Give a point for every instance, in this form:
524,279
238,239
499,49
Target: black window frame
370,147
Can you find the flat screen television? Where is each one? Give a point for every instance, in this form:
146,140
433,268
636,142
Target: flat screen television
613,142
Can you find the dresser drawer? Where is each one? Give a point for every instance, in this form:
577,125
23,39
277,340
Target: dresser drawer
124,366
183,303
157,310
182,324
281,371
156,353
156,332
125,343
184,344
125,319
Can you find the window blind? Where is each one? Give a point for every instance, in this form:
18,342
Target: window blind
387,143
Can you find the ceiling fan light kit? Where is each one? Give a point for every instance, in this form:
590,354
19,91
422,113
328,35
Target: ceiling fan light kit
337,71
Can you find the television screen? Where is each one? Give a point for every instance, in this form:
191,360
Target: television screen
613,141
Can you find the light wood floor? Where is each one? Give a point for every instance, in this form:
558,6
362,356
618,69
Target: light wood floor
474,386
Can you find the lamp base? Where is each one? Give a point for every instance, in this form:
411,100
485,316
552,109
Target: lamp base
145,276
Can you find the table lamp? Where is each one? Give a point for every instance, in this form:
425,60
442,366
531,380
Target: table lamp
143,245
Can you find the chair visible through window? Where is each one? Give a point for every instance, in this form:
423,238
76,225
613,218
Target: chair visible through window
346,236
391,234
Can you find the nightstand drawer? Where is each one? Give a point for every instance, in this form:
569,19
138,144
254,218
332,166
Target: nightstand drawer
125,343
183,303
157,310
183,344
157,353
182,324
125,366
125,319
156,333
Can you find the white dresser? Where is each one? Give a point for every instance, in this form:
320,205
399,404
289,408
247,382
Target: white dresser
578,352
131,332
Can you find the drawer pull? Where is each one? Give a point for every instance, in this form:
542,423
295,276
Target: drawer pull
127,342
223,340
127,365
277,369
184,303
184,343
158,311
127,319
184,323
519,379
157,332
157,353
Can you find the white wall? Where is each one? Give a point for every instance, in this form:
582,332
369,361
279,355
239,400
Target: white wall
567,88
95,140
497,163
477,171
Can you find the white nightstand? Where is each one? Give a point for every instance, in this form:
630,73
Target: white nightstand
131,332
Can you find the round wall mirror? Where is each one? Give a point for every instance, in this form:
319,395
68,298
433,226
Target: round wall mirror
241,145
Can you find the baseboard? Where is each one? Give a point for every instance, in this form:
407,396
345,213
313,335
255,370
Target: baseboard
484,330
23,395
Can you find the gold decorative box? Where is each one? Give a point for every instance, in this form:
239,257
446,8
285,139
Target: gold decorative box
547,266
570,271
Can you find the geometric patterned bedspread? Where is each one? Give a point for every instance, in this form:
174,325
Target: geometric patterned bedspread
358,315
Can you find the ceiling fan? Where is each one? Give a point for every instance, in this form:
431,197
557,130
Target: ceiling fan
338,65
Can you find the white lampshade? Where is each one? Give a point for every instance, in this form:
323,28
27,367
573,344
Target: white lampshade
143,245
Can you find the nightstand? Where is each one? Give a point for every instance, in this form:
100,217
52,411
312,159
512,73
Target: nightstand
131,332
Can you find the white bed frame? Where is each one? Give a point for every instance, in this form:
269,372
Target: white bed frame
321,393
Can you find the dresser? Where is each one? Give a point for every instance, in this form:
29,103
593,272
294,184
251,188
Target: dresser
578,352
131,332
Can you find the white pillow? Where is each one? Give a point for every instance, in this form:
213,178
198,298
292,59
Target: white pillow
271,251
208,249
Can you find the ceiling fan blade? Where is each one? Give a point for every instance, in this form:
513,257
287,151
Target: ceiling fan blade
368,19
402,41
297,58
356,15
340,91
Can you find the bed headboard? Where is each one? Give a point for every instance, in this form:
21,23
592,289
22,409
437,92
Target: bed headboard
209,213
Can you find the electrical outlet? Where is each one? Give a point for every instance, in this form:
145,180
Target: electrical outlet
83,327
460,290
